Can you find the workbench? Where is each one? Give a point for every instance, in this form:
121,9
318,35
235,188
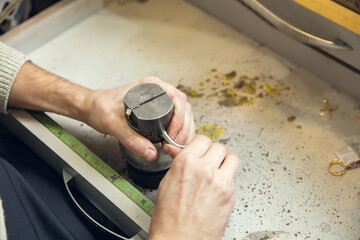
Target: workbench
283,187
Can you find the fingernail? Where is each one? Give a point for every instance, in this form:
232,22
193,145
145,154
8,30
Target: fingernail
166,148
149,155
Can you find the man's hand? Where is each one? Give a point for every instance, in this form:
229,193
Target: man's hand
105,112
37,89
196,196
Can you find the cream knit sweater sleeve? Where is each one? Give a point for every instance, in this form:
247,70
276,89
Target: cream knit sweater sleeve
3,235
10,64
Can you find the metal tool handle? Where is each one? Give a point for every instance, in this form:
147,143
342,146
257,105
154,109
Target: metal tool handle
164,135
294,32
168,139
68,177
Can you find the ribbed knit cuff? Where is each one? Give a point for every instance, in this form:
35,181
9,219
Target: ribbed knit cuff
3,235
10,63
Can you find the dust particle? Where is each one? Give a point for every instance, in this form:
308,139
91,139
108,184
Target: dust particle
229,92
224,141
271,90
291,118
235,101
250,87
240,84
212,131
212,95
229,76
189,91
243,77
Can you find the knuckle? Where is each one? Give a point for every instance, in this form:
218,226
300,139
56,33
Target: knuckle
208,174
224,189
203,139
148,79
235,159
188,107
220,147
183,161
142,81
182,96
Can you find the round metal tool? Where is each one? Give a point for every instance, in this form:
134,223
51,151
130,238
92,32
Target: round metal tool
149,111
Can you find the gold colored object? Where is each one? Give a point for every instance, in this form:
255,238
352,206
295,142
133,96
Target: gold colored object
327,108
129,110
212,131
337,162
345,165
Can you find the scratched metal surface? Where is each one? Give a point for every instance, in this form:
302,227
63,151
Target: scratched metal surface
283,188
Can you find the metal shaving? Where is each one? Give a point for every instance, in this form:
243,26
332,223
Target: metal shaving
232,90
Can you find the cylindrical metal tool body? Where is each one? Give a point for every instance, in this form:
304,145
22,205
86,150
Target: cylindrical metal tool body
149,110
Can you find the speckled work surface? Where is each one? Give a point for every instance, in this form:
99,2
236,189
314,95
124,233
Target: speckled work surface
264,108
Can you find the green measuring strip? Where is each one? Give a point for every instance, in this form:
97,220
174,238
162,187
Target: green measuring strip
110,174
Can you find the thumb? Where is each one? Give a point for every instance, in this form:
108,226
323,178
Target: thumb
137,144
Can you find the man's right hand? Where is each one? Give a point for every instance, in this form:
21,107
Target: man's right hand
196,196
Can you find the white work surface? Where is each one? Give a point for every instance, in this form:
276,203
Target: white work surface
283,187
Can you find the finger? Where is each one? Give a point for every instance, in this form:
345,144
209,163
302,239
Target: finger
192,130
184,133
171,150
133,141
178,118
169,89
179,99
215,155
230,166
198,146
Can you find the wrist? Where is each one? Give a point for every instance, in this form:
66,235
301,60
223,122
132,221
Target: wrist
76,102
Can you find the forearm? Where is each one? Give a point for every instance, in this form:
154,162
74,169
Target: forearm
37,89
28,86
